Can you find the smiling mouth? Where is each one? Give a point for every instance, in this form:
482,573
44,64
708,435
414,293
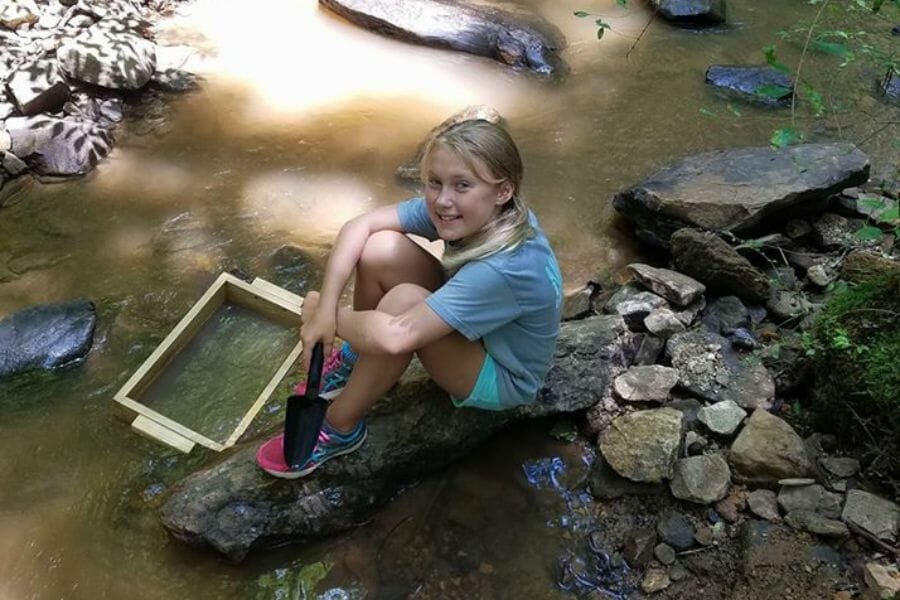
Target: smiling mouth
448,218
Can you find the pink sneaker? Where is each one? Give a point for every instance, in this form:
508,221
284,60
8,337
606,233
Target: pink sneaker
270,456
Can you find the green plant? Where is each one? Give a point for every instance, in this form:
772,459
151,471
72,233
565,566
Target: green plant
854,345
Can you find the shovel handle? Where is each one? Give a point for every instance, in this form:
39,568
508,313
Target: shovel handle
314,377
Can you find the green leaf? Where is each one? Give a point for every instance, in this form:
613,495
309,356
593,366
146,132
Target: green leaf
815,99
784,137
734,109
772,90
707,113
833,48
602,23
581,13
868,233
600,32
876,6
772,60
622,3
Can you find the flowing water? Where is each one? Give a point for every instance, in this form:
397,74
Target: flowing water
299,126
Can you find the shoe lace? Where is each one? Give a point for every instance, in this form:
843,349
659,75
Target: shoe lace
333,362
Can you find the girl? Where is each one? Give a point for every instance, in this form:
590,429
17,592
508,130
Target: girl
483,321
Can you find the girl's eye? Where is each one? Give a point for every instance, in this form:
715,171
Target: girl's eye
463,186
434,183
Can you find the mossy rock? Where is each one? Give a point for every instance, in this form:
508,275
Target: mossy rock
856,345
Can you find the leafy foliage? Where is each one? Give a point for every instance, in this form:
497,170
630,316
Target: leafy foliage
855,344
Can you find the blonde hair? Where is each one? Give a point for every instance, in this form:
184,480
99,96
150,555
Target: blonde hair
482,144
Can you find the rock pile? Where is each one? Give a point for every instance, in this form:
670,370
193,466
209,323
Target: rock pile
699,422
65,69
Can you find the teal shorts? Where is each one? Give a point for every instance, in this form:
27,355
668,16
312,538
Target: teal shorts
486,393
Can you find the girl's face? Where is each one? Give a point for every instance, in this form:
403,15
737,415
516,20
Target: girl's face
460,202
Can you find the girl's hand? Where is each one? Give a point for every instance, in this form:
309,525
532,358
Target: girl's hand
318,326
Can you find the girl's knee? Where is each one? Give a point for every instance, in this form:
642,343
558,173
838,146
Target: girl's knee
382,249
402,297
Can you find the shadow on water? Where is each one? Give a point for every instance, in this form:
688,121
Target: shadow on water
222,179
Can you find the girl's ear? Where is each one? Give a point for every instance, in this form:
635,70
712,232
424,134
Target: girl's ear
505,193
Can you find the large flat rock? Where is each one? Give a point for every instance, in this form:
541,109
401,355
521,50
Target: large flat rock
521,41
413,431
735,189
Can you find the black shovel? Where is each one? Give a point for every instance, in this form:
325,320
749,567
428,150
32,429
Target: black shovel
305,415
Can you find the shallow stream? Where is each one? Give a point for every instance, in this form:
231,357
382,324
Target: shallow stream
300,125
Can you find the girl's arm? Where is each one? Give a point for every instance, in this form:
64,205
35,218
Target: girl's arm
347,250
380,332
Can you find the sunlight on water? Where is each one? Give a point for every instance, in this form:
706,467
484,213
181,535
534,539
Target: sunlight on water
311,207
302,58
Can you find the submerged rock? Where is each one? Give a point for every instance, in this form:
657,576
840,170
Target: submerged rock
735,190
765,85
525,43
415,430
691,12
43,337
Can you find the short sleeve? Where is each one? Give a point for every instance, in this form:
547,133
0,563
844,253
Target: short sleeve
413,215
475,301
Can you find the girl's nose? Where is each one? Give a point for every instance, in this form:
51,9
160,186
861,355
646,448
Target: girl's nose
445,198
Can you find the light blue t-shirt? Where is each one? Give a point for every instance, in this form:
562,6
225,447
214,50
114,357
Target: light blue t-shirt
510,300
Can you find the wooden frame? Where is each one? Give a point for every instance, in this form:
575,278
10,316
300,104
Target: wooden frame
261,297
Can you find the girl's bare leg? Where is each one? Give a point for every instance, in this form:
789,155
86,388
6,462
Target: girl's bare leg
394,274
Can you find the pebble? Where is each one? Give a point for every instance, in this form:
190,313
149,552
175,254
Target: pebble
677,572
675,530
764,504
664,553
704,536
655,580
840,466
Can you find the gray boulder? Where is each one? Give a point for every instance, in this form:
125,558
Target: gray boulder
725,313
710,369
720,267
58,147
701,479
663,323
415,430
633,304
767,450
38,87
643,445
650,383
813,498
527,43
816,523
876,515
764,85
675,287
113,59
47,336
722,417
735,190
